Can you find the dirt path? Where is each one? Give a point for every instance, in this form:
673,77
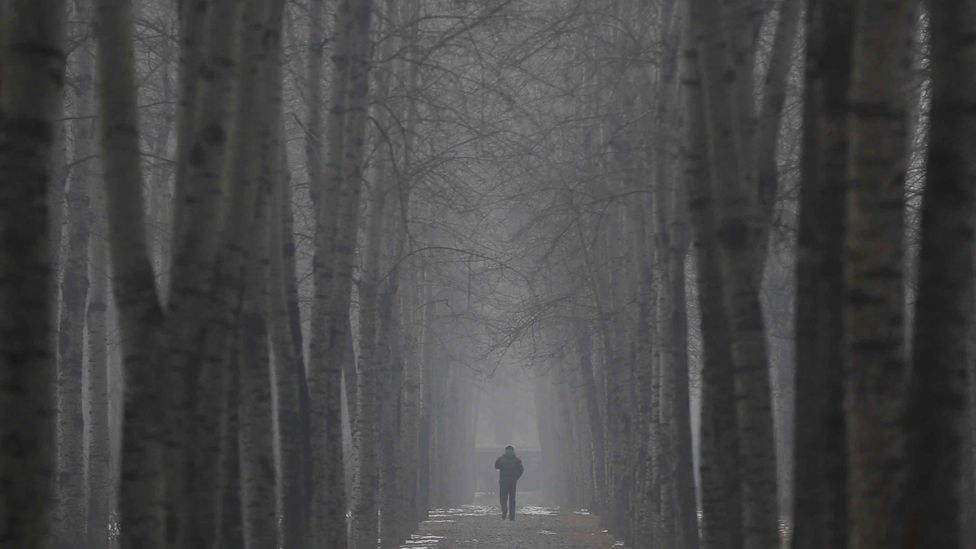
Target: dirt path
479,526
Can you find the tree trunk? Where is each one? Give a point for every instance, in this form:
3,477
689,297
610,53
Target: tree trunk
100,477
336,223
426,414
771,113
200,193
289,367
737,258
391,387
228,522
142,519
719,467
684,462
72,515
410,302
594,413
255,414
820,506
937,414
370,375
874,306
31,76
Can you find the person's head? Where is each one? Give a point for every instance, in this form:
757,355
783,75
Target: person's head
509,451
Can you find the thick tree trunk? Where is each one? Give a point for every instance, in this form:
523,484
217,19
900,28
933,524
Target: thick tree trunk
142,518
193,19
256,415
937,415
31,76
373,403
820,451
719,465
337,215
200,193
737,258
874,307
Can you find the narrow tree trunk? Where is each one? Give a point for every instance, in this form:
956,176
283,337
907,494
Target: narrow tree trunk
770,116
71,330
874,307
683,470
256,418
392,385
31,76
370,373
671,328
425,431
228,524
100,477
410,411
289,367
937,415
594,413
410,305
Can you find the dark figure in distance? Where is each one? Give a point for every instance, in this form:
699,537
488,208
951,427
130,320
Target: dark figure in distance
509,470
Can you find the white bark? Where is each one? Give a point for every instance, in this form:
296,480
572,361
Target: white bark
140,315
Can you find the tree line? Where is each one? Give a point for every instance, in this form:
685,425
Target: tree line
262,261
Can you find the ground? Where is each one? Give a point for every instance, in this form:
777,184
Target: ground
479,526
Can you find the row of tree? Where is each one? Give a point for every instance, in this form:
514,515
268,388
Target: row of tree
245,292
251,415
858,181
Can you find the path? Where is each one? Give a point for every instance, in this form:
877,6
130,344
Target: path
479,526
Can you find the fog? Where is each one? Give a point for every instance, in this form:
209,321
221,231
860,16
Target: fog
333,274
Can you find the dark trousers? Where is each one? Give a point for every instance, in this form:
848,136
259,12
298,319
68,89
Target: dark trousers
506,494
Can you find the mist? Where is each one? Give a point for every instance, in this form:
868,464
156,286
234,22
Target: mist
434,274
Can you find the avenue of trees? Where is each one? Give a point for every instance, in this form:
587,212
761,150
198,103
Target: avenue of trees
263,264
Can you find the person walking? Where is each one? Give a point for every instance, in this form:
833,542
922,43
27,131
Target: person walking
509,470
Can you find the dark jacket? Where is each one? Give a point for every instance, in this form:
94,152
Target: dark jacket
509,468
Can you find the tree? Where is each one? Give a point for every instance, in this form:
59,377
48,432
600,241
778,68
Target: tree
820,516
32,64
936,417
74,293
737,255
133,284
336,220
719,469
874,278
